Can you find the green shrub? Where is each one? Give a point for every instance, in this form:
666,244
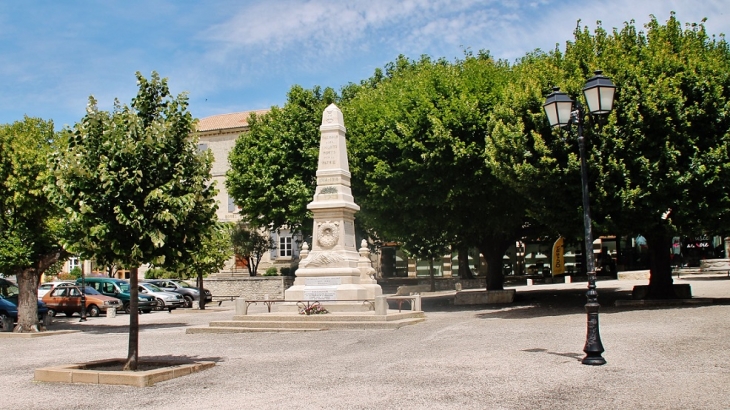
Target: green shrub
75,272
160,273
271,271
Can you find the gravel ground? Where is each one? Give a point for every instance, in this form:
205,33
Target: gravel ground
524,356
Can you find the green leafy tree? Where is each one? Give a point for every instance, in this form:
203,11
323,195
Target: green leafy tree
273,165
209,257
29,223
658,165
250,245
417,141
134,188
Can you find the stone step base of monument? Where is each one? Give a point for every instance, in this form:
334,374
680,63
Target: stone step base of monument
228,329
277,322
332,307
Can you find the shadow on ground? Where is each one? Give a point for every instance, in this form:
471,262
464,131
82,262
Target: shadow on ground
92,326
552,302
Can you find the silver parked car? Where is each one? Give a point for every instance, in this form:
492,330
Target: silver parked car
49,286
189,292
165,300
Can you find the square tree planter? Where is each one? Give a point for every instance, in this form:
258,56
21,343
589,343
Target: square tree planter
110,371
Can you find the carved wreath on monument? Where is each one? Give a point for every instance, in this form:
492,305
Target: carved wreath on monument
328,234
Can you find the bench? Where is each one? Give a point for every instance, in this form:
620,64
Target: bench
267,302
220,299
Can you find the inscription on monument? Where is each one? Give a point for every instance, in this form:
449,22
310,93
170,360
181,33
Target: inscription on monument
327,180
323,281
328,149
320,294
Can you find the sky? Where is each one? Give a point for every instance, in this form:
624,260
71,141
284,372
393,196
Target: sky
232,56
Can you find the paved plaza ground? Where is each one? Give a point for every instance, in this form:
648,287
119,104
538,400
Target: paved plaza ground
523,356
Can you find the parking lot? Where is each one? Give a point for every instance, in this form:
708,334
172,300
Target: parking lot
526,355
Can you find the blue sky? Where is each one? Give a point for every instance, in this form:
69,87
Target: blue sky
242,55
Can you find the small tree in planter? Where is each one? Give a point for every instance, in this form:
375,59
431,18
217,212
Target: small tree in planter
134,188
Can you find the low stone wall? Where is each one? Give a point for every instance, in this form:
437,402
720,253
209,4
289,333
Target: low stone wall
249,287
450,283
713,265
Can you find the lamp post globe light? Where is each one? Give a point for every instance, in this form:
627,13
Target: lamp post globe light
562,111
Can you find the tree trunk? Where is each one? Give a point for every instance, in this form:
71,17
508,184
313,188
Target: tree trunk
28,287
27,301
431,275
133,351
493,250
464,268
661,285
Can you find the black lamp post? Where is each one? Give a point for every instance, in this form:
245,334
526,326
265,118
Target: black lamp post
562,111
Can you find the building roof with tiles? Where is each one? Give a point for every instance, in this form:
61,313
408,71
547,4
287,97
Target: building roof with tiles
227,121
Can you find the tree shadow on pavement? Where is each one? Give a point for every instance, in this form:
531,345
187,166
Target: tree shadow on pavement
73,323
553,302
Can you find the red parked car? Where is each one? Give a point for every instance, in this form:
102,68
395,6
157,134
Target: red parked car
67,299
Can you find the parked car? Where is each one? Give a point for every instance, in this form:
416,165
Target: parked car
165,300
190,293
48,286
9,306
119,288
66,299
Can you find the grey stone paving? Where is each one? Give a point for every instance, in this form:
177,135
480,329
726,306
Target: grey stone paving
523,356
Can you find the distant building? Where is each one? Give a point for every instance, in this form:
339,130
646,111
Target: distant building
219,133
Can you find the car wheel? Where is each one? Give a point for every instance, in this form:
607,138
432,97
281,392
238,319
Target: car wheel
160,305
6,323
127,309
93,311
51,312
188,301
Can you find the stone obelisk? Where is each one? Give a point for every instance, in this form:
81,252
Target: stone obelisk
333,272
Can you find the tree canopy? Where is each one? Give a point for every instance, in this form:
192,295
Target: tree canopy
662,152
417,140
30,224
134,188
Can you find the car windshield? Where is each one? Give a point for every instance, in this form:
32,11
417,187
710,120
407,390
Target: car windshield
91,291
184,284
151,287
9,290
123,286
